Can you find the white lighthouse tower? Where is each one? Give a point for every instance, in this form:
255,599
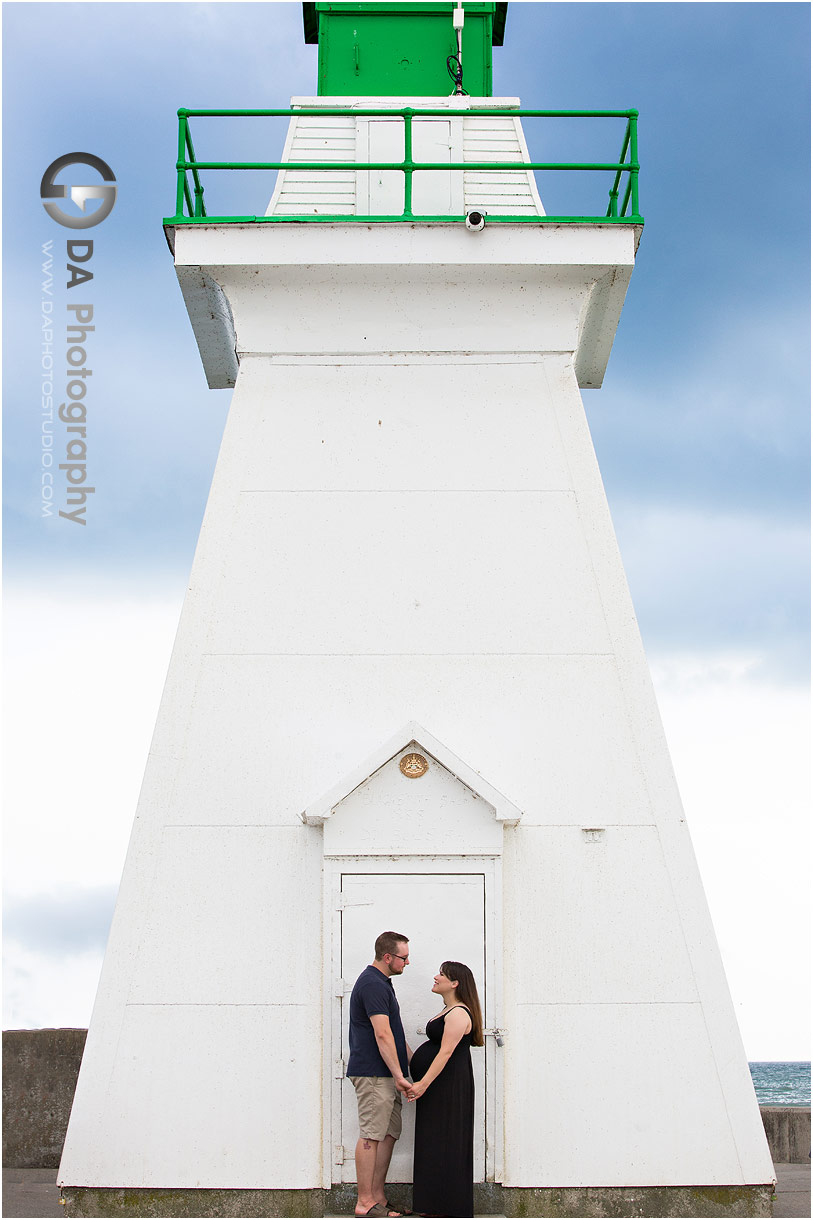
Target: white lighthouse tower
408,691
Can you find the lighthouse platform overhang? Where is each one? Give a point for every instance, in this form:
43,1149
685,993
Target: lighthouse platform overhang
284,289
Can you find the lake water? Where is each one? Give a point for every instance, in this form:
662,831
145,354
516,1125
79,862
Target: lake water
781,1084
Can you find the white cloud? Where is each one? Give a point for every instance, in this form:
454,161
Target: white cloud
720,583
84,674
740,749
43,992
76,920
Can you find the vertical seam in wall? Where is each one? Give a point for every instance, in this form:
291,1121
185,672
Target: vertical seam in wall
552,391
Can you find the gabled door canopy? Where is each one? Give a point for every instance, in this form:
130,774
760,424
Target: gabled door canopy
412,735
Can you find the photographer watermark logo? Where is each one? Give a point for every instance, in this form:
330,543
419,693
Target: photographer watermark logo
49,190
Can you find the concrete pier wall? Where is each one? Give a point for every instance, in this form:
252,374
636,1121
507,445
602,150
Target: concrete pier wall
788,1132
40,1067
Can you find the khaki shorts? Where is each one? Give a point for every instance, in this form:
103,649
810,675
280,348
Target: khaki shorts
379,1105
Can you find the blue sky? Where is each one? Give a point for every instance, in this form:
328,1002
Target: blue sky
701,428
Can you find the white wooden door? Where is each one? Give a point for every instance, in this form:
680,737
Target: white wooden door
434,192
443,914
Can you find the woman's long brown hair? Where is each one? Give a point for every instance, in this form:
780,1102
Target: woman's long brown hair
466,994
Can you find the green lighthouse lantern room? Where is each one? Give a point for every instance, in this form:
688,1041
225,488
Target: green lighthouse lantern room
399,50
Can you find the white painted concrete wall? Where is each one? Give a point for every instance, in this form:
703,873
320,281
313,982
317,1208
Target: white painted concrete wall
407,523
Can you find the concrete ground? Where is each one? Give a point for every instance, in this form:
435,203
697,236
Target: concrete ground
792,1190
33,1192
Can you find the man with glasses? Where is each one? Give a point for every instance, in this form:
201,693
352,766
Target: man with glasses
378,1066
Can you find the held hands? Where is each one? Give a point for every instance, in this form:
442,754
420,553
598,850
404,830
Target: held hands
403,1085
416,1090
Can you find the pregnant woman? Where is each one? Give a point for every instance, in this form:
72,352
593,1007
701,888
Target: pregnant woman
444,1091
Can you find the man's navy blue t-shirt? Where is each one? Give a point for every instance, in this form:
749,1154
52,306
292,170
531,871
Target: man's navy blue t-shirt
373,994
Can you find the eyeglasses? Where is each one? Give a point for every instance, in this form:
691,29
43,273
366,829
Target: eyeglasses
404,958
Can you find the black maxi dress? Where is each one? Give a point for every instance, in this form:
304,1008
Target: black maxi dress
443,1175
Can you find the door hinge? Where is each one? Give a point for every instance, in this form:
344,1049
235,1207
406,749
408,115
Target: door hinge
343,901
340,1069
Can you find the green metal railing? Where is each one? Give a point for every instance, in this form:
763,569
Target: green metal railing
190,207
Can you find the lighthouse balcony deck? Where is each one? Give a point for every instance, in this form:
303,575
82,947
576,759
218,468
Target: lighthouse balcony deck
394,163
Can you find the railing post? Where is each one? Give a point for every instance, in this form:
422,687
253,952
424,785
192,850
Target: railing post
182,132
634,160
407,113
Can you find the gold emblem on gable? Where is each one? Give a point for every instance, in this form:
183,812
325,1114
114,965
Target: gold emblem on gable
413,766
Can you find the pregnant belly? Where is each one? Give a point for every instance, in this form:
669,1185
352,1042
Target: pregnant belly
420,1061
